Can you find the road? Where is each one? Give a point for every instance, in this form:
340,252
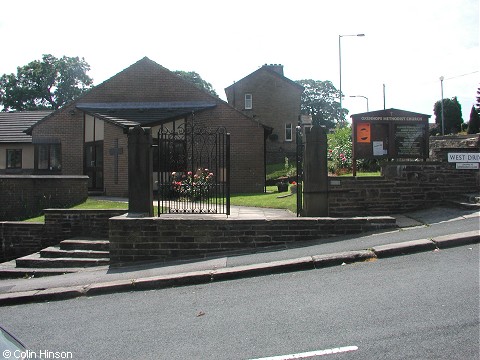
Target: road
421,306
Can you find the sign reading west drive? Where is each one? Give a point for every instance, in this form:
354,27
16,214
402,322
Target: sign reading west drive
464,157
465,161
391,134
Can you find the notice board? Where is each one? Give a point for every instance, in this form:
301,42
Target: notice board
391,133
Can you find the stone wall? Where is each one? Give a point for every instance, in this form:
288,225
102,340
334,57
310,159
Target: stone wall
141,239
441,145
24,196
403,187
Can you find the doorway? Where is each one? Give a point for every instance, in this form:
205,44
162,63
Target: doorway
93,166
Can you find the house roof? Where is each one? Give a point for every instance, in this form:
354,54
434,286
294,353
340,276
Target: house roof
269,69
14,124
388,113
143,113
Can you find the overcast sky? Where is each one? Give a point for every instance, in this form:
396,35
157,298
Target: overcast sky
407,46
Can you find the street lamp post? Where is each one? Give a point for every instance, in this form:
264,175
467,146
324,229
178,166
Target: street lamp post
361,97
340,64
441,87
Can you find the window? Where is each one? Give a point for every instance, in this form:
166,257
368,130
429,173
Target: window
48,157
288,132
14,158
248,101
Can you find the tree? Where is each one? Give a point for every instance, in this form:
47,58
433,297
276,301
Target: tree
197,80
319,99
45,84
474,122
478,100
452,111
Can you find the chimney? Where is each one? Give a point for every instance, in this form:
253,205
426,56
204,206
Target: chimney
278,68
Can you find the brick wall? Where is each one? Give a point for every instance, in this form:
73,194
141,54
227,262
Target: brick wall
161,239
23,196
18,239
65,223
66,126
404,187
113,186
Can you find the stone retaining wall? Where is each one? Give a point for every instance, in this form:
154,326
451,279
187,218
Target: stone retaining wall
134,239
403,187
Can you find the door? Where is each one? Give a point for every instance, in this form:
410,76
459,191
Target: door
93,166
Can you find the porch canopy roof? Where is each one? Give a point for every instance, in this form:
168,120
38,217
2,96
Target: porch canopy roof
128,114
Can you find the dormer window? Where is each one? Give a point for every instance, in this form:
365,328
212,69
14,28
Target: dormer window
248,101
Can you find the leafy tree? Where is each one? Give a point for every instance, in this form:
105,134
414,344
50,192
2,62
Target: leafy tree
474,122
49,83
478,99
452,111
319,99
197,80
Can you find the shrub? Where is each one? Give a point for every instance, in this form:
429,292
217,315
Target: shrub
340,150
193,186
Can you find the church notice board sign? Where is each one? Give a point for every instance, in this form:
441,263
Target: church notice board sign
390,133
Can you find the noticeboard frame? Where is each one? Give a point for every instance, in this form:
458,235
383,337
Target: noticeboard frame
390,134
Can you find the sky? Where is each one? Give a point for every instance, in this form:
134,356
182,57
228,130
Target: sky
408,45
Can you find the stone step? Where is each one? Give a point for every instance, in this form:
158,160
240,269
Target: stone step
35,261
464,204
8,270
27,273
56,252
85,244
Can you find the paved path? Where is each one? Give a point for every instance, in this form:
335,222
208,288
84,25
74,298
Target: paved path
416,233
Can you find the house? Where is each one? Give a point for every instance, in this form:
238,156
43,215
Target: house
267,96
89,135
16,147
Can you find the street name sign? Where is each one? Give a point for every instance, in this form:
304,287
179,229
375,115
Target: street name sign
464,157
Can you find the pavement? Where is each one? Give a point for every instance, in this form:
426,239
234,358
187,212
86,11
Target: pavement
407,238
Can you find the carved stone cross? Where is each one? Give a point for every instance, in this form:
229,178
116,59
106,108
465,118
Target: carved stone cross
115,151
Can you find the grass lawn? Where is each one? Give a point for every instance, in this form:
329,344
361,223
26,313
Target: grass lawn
89,204
270,199
364,174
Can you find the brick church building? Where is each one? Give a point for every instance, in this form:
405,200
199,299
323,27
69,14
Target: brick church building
88,136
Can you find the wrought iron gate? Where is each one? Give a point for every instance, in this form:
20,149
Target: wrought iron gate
193,169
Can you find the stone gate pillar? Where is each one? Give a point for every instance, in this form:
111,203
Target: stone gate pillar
140,171
315,170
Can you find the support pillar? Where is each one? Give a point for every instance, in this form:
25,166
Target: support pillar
315,169
140,170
